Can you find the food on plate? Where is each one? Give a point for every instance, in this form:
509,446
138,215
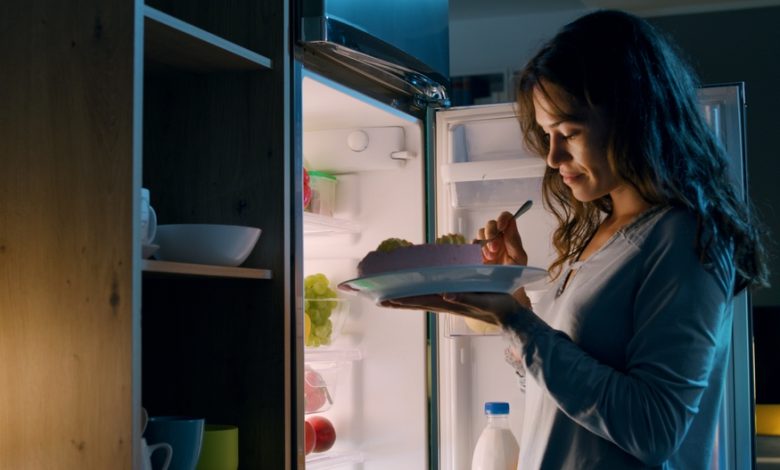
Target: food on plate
392,244
309,437
481,327
325,433
451,239
315,391
319,302
395,254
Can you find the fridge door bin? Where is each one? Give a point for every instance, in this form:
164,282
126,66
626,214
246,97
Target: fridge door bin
505,193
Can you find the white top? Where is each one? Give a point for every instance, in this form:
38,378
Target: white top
627,369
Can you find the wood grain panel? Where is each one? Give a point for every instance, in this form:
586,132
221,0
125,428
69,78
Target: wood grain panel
65,235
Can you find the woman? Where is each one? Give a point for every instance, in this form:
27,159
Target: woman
625,362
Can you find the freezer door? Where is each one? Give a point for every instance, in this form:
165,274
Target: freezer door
723,107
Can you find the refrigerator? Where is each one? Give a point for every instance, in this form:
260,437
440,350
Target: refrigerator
406,389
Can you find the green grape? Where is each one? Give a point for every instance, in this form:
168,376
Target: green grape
324,331
451,239
392,244
319,302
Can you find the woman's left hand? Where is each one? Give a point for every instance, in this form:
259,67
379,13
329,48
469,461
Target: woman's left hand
495,308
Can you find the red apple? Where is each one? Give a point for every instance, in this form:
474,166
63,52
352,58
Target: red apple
325,432
315,393
309,437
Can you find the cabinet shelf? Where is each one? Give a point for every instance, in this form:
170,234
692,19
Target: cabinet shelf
320,224
170,267
175,42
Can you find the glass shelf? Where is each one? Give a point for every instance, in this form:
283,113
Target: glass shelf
314,224
332,460
332,355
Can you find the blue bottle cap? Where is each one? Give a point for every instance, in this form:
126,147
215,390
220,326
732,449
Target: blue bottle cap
496,408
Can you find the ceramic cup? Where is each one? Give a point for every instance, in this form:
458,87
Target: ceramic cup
147,451
220,448
148,218
184,434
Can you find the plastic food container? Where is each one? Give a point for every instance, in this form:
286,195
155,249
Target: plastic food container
323,193
322,373
325,319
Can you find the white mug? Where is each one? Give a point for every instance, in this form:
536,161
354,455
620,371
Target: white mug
147,451
148,219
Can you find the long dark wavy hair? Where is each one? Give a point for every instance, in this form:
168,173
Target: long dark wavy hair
659,141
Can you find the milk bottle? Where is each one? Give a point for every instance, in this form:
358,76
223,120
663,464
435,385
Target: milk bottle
497,447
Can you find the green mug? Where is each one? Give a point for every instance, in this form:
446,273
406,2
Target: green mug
220,448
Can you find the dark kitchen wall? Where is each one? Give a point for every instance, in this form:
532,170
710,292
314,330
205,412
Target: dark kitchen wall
744,46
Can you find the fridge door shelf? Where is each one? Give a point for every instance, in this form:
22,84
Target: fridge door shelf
513,168
329,460
495,183
456,325
317,224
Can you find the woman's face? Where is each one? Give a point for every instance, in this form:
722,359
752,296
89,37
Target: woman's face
577,146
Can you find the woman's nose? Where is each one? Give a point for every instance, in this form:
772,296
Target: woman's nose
556,154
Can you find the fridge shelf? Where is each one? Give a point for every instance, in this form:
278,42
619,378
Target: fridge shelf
172,41
332,460
315,224
333,355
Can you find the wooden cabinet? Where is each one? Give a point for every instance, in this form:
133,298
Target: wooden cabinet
189,99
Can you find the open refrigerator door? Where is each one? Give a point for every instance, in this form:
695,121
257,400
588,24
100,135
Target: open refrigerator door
484,168
364,366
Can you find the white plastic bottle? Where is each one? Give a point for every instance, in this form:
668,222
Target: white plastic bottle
497,448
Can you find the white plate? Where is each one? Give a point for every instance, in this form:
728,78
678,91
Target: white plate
467,278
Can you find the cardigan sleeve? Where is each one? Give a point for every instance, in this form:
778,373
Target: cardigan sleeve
681,314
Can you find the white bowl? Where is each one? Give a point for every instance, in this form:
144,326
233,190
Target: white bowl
220,245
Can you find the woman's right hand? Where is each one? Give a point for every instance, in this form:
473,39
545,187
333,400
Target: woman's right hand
505,245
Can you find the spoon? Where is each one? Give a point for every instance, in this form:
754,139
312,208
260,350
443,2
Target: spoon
520,211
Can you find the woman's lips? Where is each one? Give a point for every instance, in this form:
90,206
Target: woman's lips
570,177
